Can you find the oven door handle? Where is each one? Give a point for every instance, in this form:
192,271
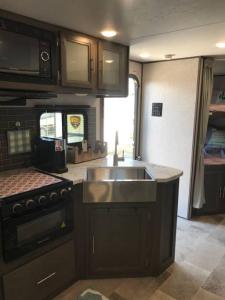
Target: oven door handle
46,278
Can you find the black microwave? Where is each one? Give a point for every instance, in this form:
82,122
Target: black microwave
27,54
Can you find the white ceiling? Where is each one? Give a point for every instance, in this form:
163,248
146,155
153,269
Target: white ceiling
157,27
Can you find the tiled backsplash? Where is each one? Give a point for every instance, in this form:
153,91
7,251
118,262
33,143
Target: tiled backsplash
28,120
8,119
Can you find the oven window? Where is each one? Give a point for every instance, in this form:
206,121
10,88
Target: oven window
41,226
14,46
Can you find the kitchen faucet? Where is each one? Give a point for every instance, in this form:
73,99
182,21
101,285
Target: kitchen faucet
116,158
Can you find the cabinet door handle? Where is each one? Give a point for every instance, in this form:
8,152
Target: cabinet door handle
220,192
93,244
46,278
92,65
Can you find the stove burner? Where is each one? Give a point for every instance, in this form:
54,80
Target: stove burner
23,180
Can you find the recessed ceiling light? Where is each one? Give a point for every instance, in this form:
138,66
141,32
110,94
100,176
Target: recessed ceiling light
144,55
220,45
109,61
109,33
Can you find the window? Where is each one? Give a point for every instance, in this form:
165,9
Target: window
70,124
51,125
121,114
75,128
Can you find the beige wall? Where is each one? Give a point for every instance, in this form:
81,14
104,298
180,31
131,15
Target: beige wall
168,140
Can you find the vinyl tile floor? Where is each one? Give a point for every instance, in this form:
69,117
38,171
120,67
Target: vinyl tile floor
198,272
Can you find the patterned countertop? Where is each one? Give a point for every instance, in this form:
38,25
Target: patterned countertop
22,180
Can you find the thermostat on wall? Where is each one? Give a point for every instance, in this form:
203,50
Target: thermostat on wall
157,109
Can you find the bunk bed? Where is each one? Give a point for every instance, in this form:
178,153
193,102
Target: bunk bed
214,157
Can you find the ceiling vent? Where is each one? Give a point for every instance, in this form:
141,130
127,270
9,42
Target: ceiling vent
169,56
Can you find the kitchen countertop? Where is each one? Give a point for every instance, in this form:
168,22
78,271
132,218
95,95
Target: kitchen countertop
77,172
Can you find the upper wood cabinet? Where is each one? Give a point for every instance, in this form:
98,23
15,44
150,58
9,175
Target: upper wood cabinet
78,60
100,66
112,68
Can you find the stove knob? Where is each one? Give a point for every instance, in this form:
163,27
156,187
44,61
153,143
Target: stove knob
30,204
53,196
63,193
42,200
17,208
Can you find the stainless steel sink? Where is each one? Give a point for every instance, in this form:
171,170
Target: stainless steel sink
119,184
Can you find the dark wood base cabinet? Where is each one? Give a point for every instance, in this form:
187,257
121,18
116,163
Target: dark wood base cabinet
110,240
128,239
43,277
214,191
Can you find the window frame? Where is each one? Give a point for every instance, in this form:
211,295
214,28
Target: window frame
65,111
137,118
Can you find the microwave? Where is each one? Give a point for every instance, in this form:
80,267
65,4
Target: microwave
27,54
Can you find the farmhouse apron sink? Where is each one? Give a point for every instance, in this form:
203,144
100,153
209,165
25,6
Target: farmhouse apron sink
119,184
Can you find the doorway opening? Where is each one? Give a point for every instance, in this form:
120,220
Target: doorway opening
122,115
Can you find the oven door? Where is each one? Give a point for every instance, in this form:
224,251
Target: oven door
25,233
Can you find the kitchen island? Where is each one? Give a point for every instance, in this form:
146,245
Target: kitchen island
124,239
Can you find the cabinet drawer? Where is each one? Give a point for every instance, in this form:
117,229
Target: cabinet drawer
43,276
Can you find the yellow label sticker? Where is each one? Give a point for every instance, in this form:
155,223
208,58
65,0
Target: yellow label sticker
75,121
63,225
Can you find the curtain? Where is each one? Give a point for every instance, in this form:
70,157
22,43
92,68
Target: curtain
203,117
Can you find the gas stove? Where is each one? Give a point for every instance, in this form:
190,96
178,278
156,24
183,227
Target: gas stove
22,180
36,186
36,207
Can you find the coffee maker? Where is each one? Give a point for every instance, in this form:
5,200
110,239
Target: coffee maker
50,155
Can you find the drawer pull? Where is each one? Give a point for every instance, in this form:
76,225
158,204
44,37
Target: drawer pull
46,278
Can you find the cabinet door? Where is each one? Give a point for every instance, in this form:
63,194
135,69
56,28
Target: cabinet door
78,60
212,190
113,68
42,277
118,241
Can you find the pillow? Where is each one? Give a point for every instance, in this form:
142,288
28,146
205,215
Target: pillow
215,138
215,142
